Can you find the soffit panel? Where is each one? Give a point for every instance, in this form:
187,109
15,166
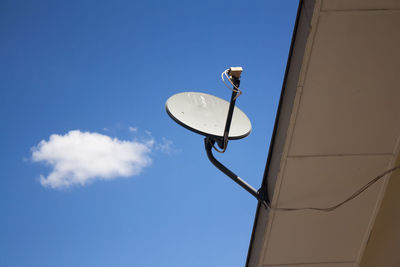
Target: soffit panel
312,236
383,246
349,103
359,4
336,264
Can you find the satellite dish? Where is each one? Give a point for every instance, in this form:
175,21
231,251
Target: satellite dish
206,115
218,120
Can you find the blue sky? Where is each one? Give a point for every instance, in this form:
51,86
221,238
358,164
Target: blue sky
103,71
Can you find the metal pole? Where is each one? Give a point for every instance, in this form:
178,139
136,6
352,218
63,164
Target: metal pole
208,145
236,82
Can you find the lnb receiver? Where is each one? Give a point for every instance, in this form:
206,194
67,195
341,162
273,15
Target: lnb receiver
235,72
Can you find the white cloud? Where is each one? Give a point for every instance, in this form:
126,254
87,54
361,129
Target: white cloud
166,146
78,158
133,129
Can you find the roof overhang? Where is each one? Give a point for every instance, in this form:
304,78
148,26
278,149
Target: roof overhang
337,126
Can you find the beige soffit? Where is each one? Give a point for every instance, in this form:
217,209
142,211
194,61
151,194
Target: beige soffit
384,243
338,126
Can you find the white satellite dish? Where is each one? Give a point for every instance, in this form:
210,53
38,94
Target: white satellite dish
206,115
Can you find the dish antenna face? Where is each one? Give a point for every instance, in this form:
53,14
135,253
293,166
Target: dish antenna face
206,115
216,119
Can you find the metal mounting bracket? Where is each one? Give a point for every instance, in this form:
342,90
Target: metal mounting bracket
208,143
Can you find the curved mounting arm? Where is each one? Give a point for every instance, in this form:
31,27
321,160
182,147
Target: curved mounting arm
208,145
